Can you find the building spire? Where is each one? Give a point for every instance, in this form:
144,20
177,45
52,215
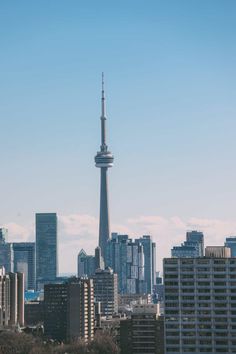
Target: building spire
103,97
103,119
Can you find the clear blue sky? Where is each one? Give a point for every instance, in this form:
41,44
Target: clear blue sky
170,69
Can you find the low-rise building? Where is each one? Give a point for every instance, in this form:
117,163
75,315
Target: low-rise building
144,332
34,313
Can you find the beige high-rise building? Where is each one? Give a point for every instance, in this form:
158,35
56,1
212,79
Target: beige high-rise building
80,309
16,299
217,251
11,298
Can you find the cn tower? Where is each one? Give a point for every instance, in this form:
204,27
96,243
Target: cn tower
103,160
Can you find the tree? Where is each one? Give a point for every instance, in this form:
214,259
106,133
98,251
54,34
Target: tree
103,343
21,343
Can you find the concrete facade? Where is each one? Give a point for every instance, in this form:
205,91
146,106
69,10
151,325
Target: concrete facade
200,305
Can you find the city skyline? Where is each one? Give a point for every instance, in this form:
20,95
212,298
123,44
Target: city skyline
176,131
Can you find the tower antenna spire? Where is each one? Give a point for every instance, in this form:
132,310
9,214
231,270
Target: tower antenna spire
103,97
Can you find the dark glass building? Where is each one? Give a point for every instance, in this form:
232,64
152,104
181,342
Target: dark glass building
69,310
46,248
24,262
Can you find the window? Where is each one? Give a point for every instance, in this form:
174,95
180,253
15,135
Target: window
187,261
204,298
203,283
217,283
187,269
203,261
172,297
219,261
187,283
171,276
219,269
187,297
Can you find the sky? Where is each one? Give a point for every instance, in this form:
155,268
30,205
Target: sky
170,70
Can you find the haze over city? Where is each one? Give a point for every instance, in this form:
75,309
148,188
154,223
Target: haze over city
170,87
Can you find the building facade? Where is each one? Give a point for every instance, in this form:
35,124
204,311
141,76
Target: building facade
144,332
69,310
200,305
24,262
126,258
17,294
149,250
218,251
230,242
85,264
11,299
196,237
34,313
3,235
46,248
6,252
106,291
192,247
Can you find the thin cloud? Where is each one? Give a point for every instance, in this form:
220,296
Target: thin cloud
78,231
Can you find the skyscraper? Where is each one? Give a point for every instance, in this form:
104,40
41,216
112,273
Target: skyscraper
192,247
69,310
199,303
106,290
11,298
149,249
85,264
3,235
126,258
24,262
193,237
231,243
103,160
46,248
6,251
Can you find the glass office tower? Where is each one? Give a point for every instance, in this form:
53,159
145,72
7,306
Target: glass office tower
46,248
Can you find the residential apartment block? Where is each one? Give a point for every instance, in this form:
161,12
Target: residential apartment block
200,305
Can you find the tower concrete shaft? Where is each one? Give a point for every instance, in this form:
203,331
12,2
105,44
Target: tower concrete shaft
104,224
103,160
